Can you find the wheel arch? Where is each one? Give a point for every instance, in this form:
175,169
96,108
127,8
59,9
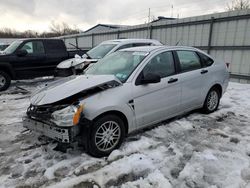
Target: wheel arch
8,69
117,113
218,87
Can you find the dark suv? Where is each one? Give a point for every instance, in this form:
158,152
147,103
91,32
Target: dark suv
30,58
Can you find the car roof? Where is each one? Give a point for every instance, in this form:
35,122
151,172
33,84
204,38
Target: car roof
125,41
155,48
35,39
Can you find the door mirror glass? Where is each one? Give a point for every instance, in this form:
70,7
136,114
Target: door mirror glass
150,78
21,53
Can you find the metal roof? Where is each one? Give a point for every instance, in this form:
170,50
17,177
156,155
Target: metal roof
109,26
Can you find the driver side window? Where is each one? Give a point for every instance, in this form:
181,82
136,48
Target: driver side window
162,65
34,47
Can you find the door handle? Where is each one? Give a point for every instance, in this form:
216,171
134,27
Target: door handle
204,71
172,80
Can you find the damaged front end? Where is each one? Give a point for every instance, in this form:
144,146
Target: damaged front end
61,116
56,122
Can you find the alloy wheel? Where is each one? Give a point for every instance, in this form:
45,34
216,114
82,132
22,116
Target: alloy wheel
212,100
107,136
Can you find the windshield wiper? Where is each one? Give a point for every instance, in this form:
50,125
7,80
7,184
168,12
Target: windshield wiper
80,50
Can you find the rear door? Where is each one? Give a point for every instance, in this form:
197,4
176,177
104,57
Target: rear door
208,74
56,52
158,101
190,77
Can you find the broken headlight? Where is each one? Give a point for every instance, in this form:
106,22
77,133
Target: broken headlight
68,116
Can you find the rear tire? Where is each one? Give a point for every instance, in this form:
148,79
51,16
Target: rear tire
4,81
212,101
107,135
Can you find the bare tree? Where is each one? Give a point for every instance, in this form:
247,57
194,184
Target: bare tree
56,28
62,28
238,5
9,33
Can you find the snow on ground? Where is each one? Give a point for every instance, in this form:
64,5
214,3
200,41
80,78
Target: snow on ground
195,150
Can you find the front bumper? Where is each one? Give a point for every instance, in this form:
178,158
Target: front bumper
60,134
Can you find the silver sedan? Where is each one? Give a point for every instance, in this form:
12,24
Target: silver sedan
125,91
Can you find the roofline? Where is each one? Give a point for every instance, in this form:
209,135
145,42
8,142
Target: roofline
25,39
164,47
132,39
146,47
105,25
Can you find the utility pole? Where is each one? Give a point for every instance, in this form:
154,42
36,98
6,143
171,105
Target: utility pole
172,10
148,15
148,33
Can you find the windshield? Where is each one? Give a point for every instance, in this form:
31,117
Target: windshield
11,48
120,64
100,51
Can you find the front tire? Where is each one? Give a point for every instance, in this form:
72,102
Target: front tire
212,101
107,135
4,81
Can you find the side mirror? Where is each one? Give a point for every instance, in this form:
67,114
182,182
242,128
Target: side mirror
150,78
21,53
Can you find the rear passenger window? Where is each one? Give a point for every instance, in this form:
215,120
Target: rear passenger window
141,44
206,60
189,60
162,65
125,46
133,45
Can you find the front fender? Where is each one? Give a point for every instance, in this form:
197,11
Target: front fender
115,99
93,112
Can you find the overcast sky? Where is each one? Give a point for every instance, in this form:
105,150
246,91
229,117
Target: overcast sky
38,14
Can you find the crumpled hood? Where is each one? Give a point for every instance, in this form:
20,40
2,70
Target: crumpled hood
74,62
66,87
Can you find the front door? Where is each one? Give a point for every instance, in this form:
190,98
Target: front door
157,101
32,64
